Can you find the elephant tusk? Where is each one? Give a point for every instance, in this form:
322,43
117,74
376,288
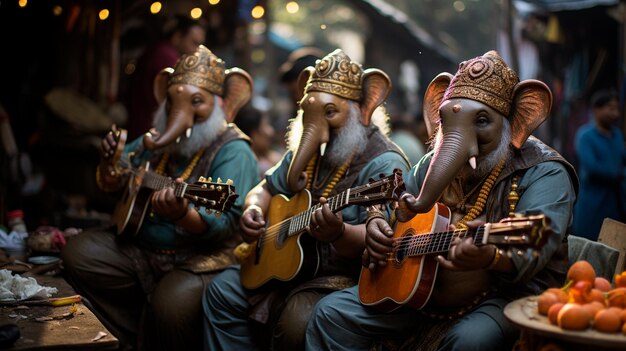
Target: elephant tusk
188,133
322,149
472,162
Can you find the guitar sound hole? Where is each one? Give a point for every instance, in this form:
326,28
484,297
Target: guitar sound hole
401,250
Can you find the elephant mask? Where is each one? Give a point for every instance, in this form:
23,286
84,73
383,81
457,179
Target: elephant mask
189,91
473,109
331,88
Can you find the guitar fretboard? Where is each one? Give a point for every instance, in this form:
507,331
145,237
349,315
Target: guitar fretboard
156,181
437,243
300,221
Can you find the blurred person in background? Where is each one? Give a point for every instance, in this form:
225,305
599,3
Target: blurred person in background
600,154
256,124
182,36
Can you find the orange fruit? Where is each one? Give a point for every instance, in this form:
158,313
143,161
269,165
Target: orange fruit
617,297
544,301
581,271
602,284
562,295
596,295
622,315
593,307
573,317
608,320
553,312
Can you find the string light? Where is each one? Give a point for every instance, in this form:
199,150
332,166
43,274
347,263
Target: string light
292,7
258,12
195,12
214,2
57,10
103,14
155,7
22,3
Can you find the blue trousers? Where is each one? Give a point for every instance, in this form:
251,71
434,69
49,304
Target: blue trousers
340,322
227,326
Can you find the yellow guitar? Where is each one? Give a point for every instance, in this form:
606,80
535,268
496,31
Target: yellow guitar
286,252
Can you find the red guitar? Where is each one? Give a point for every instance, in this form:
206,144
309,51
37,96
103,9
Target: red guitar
411,270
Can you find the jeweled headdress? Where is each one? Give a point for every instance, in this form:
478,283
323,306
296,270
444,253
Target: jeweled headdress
486,79
202,69
337,74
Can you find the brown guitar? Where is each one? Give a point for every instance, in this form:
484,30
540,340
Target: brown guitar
130,211
285,252
411,270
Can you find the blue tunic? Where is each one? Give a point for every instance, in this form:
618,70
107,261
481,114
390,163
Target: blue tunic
236,161
601,171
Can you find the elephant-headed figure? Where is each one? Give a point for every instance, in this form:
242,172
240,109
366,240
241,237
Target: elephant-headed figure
338,106
477,117
198,91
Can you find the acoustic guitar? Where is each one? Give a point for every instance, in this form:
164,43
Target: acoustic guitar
131,210
285,252
409,276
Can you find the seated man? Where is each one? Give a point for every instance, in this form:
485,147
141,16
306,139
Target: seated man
483,167
146,285
339,100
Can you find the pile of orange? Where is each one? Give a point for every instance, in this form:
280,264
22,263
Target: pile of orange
586,301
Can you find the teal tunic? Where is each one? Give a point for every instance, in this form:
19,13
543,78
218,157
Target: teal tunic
382,164
235,160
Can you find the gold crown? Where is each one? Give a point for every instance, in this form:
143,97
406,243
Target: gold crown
486,79
202,69
337,74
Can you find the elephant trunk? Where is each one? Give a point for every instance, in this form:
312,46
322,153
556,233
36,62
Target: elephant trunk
453,154
177,124
312,138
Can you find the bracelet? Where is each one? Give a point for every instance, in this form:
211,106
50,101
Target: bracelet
181,217
343,229
496,258
375,213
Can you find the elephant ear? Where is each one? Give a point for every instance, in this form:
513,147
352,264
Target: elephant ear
303,77
433,98
160,84
376,88
237,91
532,101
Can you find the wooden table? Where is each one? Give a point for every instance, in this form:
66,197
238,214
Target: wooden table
537,330
73,333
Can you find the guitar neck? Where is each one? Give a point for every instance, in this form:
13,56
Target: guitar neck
299,222
156,181
439,243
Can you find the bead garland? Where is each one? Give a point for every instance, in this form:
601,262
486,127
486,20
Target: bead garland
185,175
311,166
479,206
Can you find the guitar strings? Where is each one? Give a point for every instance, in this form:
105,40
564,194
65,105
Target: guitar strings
428,240
276,229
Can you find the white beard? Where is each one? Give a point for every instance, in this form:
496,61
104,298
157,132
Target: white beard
350,141
202,134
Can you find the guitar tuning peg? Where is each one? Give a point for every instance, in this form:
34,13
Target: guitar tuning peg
202,179
218,213
219,180
210,179
371,180
229,182
381,175
207,211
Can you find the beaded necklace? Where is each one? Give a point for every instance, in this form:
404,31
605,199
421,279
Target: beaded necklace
312,171
479,206
185,175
